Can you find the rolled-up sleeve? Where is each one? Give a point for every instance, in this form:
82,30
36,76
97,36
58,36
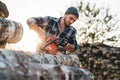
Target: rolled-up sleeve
75,42
37,20
72,39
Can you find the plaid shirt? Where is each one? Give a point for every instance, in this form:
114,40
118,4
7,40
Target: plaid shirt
53,28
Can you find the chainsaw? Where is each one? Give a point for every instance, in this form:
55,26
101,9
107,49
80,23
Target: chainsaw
53,44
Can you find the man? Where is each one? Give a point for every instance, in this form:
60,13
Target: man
59,27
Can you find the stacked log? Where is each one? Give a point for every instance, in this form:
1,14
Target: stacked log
32,71
10,31
4,12
102,60
21,56
19,65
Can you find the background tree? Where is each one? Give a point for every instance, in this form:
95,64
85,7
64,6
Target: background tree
97,24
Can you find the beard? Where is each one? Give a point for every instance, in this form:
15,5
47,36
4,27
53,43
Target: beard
65,22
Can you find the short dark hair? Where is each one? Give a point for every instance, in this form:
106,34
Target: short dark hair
72,10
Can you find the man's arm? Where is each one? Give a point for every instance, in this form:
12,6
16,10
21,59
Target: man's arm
71,47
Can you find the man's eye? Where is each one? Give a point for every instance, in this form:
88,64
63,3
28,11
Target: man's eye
71,18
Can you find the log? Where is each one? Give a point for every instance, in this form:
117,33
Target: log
4,12
21,56
20,65
33,71
10,32
101,59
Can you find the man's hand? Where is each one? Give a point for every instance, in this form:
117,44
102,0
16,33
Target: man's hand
34,27
70,47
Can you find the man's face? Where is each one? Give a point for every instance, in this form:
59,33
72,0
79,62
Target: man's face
69,19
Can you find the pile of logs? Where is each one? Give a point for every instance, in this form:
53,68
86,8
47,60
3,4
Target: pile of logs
32,71
19,65
102,60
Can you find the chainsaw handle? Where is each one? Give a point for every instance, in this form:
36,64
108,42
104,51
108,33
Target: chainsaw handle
47,43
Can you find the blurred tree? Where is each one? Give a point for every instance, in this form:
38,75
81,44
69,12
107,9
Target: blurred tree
96,24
